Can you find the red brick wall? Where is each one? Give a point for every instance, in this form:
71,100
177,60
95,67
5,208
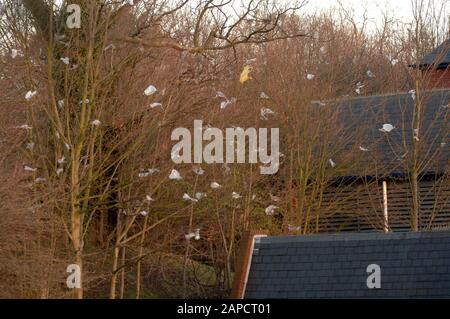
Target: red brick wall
437,79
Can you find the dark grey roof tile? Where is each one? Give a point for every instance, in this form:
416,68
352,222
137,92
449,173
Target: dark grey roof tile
439,57
412,264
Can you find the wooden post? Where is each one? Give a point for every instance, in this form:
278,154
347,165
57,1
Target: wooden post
385,208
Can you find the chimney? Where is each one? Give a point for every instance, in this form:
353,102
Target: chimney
435,67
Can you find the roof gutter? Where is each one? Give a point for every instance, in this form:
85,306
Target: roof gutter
433,66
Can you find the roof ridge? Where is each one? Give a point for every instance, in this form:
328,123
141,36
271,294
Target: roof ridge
393,94
354,236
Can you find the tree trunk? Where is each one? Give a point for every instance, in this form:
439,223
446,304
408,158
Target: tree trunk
77,242
122,274
414,172
112,292
138,266
76,225
415,203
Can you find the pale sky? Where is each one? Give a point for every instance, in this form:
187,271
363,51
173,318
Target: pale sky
401,9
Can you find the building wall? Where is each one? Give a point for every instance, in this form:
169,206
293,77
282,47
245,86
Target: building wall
359,207
437,79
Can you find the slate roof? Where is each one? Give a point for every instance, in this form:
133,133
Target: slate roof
362,117
439,57
413,265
